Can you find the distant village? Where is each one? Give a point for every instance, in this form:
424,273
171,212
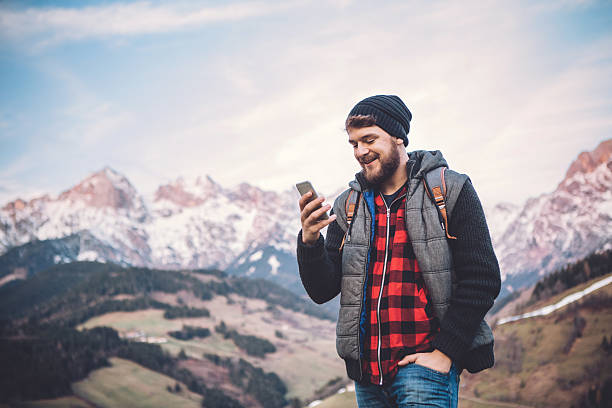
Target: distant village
140,336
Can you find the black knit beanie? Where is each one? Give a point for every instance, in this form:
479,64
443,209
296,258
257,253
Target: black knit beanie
390,112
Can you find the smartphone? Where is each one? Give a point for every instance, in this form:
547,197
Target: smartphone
305,187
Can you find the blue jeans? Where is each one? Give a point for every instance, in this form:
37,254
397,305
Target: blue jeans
413,386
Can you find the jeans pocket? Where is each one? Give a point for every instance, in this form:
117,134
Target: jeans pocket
435,373
417,385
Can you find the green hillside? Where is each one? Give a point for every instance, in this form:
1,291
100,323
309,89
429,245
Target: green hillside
63,329
126,384
555,360
560,360
72,293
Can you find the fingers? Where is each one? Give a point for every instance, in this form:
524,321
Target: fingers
324,223
317,214
313,221
312,207
311,216
410,358
304,200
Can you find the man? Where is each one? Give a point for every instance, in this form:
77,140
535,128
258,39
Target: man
414,287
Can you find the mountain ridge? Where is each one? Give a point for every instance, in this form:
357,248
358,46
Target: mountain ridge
198,223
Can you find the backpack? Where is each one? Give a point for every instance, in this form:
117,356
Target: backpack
435,186
436,190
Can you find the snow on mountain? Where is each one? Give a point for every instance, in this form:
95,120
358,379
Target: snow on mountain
562,226
499,217
200,224
197,223
186,193
190,223
105,204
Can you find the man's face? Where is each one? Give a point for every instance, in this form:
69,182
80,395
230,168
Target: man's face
376,151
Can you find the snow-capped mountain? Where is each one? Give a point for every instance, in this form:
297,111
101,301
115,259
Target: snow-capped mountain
189,224
560,227
105,204
197,223
499,217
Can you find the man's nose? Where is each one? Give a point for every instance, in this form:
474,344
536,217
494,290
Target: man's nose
361,150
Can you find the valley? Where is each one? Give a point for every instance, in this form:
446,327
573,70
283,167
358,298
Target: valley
558,360
118,308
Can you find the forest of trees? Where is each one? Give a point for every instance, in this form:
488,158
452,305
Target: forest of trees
184,311
252,345
189,332
47,361
267,388
82,290
594,265
42,353
44,364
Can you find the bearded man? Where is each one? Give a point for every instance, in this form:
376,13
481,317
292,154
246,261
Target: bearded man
414,286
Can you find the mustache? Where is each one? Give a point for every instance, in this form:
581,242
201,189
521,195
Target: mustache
368,158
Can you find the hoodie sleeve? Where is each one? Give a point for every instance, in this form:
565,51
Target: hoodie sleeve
320,264
477,275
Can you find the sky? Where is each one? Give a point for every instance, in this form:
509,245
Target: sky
258,91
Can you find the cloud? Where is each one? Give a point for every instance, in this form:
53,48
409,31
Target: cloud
501,99
52,25
485,86
11,188
480,92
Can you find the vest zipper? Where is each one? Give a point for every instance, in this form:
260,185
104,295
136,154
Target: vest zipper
382,284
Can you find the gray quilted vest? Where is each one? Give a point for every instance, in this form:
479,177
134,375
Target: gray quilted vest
430,247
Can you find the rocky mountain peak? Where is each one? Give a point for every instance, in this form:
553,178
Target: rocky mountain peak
104,188
591,171
247,193
586,162
563,226
19,205
16,205
188,192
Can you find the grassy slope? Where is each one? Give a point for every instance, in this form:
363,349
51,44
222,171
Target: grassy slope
545,376
124,384
127,384
344,400
72,402
307,343
66,293
556,298
535,370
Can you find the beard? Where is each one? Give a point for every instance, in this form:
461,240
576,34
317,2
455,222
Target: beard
388,166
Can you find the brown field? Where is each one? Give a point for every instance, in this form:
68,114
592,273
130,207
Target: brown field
305,359
531,367
127,384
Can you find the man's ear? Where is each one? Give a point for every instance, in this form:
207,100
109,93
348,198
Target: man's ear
399,141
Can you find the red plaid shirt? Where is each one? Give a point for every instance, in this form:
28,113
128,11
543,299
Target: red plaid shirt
407,325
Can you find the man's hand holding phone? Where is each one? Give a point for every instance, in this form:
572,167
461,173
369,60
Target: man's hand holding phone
313,215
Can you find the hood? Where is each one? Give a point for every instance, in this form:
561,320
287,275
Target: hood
425,161
419,163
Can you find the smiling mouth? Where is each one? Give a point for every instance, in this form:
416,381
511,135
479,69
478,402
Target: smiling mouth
367,161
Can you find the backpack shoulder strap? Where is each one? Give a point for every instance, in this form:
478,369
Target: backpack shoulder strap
435,186
350,206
